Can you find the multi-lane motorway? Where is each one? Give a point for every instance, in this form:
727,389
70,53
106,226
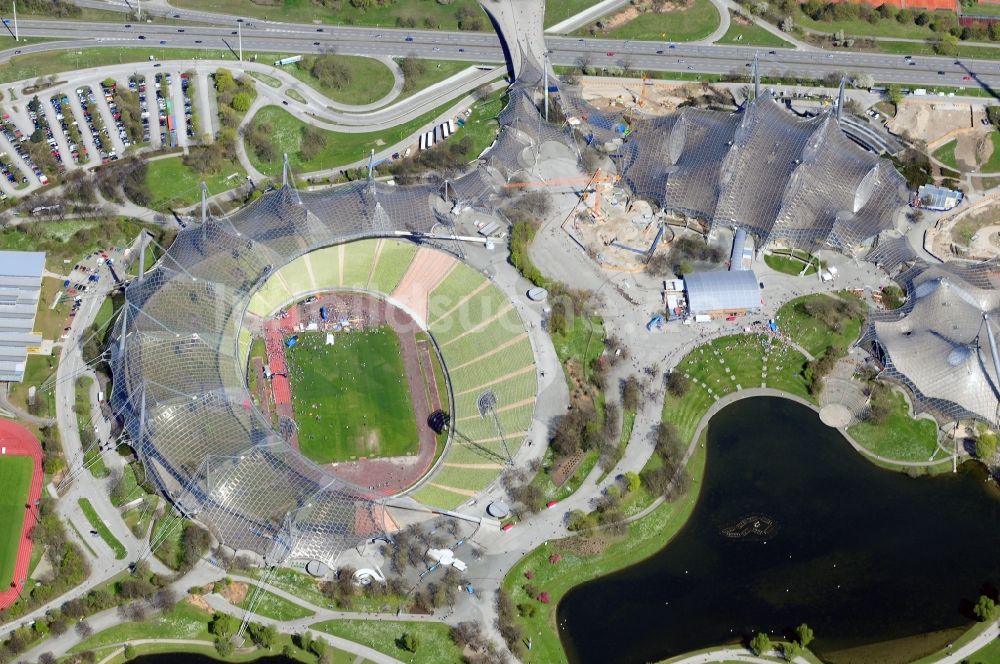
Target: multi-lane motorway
267,36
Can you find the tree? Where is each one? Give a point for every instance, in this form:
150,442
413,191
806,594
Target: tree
986,609
83,628
677,384
895,95
986,444
632,481
630,393
760,644
787,24
791,650
222,625
241,102
129,651
946,45
805,634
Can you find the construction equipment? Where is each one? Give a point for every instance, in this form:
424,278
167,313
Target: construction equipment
592,185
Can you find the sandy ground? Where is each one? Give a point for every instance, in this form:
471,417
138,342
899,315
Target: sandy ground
930,120
660,96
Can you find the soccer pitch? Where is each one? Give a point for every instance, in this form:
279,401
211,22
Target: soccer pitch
15,478
351,399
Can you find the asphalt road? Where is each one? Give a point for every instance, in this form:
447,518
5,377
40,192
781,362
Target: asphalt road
484,47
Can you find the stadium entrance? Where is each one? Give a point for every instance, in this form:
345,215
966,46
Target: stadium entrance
347,377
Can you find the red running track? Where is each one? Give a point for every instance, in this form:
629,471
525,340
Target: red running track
21,442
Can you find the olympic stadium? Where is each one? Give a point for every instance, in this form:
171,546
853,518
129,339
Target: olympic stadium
179,349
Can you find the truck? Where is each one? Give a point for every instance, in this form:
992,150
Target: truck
655,323
288,61
702,318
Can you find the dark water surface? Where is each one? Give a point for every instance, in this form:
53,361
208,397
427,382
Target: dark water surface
861,554
193,658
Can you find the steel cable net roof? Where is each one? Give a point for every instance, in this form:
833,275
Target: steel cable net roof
938,344
798,181
178,378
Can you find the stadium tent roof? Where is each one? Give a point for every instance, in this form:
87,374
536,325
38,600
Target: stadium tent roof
20,287
736,290
938,344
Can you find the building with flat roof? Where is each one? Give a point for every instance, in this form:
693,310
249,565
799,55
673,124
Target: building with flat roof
722,293
20,288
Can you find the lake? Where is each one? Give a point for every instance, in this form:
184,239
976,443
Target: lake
791,526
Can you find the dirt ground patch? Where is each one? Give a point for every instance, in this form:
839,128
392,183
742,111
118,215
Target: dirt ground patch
586,546
234,593
930,121
198,601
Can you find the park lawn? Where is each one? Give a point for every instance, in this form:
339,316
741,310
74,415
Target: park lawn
689,24
582,343
341,148
483,125
15,478
813,334
984,52
992,165
66,242
643,539
44,63
264,78
172,184
787,264
307,11
92,458
132,489
900,437
283,646
50,322
434,644
743,355
102,529
273,606
184,621
351,399
556,12
435,71
368,81
946,154
170,534
751,35
38,369
862,28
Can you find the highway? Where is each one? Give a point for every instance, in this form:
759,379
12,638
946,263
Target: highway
484,47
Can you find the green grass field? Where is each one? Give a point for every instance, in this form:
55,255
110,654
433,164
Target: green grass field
175,185
900,437
946,154
789,265
70,239
813,334
15,478
751,35
273,606
434,639
351,399
341,148
368,79
306,11
102,529
556,12
689,24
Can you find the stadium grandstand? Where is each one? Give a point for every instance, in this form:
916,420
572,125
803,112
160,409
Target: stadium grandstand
480,337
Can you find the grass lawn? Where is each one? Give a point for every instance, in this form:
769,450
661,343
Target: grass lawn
15,478
946,154
813,334
927,48
900,437
583,342
264,78
306,11
482,124
744,357
92,457
434,639
341,148
556,12
369,80
751,35
695,22
184,621
859,27
351,399
270,605
788,265
173,184
35,65
102,529
644,538
38,369
50,322
992,165
66,242
434,72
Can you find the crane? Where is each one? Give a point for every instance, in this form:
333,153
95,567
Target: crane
590,186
